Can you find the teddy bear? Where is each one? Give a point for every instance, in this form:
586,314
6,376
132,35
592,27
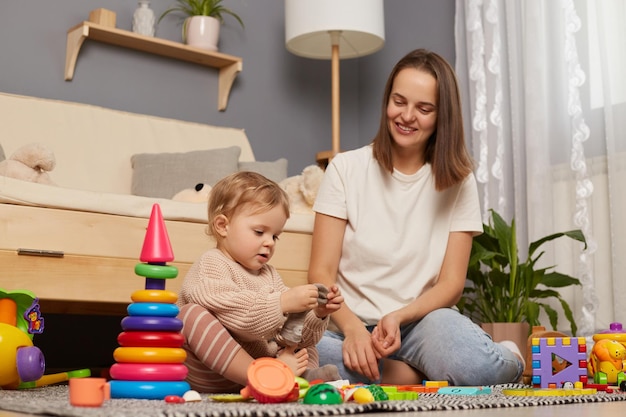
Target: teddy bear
302,189
198,194
31,162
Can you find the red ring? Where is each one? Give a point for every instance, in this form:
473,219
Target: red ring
150,339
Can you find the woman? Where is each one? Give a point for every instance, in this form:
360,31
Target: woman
393,229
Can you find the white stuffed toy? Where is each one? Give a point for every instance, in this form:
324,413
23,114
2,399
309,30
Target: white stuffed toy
198,194
302,189
31,162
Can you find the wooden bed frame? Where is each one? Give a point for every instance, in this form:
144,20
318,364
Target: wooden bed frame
94,272
95,275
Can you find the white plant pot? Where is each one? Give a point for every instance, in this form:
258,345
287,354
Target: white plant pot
202,32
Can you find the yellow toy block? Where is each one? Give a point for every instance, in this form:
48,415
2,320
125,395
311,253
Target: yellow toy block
437,384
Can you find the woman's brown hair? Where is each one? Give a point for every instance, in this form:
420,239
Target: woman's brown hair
446,150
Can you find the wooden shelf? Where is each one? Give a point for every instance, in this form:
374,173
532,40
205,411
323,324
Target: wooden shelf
229,66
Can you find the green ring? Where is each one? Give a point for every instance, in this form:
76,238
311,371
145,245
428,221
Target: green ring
156,271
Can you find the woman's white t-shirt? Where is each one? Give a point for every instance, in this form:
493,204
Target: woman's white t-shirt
397,230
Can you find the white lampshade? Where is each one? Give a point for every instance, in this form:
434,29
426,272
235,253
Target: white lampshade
308,24
335,30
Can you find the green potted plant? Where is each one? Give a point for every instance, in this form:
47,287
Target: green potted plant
202,21
503,289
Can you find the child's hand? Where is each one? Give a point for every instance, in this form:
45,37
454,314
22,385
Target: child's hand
333,303
300,298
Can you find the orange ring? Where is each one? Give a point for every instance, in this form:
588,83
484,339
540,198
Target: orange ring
154,296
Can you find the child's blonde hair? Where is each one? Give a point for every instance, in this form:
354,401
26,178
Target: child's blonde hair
232,193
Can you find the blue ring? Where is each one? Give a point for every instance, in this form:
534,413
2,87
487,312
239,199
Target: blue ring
148,390
153,309
151,323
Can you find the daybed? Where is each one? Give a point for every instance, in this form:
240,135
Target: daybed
93,221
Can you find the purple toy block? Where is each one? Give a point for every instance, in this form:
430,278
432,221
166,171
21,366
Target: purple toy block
544,353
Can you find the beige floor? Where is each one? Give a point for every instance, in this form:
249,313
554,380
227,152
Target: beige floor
570,410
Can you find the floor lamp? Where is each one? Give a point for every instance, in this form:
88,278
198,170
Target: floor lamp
334,29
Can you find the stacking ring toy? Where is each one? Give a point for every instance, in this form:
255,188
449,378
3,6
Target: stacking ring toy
166,324
148,371
150,339
154,296
156,271
149,355
153,309
148,390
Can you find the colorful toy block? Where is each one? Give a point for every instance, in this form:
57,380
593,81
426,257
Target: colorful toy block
437,384
557,360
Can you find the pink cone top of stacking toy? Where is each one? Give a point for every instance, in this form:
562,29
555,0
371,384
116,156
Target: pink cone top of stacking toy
156,245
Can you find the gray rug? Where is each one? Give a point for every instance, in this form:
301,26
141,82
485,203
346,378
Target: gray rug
53,401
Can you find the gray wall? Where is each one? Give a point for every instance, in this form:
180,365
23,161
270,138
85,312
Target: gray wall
281,100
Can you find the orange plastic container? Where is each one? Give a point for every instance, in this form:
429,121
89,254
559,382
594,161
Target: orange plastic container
270,381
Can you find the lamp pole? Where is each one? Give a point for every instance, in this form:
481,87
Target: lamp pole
323,158
356,28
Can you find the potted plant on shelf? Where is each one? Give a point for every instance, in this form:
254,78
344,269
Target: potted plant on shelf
503,289
202,21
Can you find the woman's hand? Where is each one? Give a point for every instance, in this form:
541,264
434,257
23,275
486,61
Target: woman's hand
334,300
359,354
386,337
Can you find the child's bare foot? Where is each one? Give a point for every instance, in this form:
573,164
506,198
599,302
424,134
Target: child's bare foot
297,361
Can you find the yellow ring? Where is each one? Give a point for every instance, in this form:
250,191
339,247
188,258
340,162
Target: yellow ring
149,355
154,296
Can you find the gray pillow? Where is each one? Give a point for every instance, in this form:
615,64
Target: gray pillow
274,170
161,175
2,157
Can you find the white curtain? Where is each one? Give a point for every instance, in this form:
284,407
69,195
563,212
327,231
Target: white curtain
545,110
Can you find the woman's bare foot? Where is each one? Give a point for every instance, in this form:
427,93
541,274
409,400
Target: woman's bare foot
296,361
326,373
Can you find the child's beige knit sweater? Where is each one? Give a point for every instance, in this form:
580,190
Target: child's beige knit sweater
247,305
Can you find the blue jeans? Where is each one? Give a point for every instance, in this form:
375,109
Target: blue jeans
443,346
